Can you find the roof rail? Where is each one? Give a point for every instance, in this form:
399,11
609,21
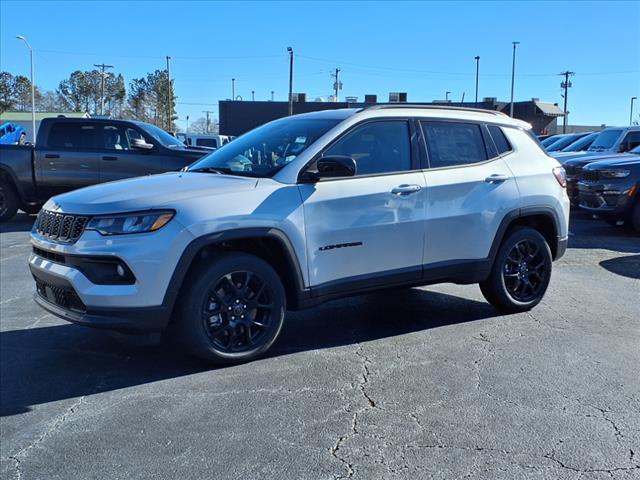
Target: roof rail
433,107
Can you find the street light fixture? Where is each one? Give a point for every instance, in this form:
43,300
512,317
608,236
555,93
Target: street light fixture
631,113
513,76
33,91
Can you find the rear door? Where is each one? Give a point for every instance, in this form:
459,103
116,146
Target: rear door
470,189
69,159
118,159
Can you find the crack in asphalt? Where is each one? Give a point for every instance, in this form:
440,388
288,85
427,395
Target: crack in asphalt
369,404
19,457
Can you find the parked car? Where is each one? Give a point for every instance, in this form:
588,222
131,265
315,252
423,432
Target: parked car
75,152
609,141
550,139
205,140
565,141
610,189
11,134
302,210
580,145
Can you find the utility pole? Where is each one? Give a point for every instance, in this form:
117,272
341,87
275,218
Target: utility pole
102,66
337,86
233,89
169,95
477,75
631,113
187,131
272,92
566,85
290,50
207,112
513,77
253,95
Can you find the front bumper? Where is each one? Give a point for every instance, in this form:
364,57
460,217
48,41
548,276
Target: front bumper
603,199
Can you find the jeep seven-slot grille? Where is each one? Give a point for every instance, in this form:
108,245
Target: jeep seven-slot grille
59,226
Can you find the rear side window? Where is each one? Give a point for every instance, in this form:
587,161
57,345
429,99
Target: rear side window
631,141
452,144
72,135
206,142
499,139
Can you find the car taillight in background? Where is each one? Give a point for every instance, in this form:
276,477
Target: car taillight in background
560,175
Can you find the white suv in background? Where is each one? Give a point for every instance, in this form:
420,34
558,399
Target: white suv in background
303,210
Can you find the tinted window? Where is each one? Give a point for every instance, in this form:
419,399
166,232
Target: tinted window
631,141
206,142
72,135
452,144
563,142
605,140
582,144
114,138
377,147
502,144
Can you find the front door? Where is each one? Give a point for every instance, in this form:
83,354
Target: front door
368,229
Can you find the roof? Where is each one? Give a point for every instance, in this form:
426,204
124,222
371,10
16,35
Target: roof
26,116
549,109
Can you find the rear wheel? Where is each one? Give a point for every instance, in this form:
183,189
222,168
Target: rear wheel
521,272
233,310
8,201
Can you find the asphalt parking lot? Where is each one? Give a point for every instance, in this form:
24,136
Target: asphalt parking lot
421,383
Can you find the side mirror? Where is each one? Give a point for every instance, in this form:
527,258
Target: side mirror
140,144
336,166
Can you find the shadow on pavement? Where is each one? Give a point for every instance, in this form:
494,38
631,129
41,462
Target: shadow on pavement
22,222
627,266
588,233
41,365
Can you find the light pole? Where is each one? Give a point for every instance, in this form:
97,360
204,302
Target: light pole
233,89
33,91
631,113
169,97
272,92
253,95
446,96
477,75
187,131
513,76
290,50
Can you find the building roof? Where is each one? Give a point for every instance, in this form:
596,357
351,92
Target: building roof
549,109
26,116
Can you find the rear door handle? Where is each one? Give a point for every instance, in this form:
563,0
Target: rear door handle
406,189
496,178
52,155
109,159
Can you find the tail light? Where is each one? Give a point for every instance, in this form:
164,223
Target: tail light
561,176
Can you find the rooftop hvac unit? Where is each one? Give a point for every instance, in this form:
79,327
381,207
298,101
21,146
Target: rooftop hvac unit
398,97
370,98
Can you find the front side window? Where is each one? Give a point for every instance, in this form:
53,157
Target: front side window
72,135
500,140
376,147
161,136
114,138
266,149
452,144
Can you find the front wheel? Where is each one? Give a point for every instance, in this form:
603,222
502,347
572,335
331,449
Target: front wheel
521,272
8,202
232,310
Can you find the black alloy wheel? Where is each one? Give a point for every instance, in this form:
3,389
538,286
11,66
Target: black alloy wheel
525,271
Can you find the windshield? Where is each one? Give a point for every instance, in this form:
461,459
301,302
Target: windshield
265,150
549,140
605,140
161,136
581,144
563,142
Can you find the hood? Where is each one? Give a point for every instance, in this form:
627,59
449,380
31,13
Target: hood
623,160
143,193
591,157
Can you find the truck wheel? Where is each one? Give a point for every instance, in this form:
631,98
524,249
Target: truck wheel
232,310
521,272
8,202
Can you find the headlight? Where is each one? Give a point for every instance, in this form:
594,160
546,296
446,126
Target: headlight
613,173
139,222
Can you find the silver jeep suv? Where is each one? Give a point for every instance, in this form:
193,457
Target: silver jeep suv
302,210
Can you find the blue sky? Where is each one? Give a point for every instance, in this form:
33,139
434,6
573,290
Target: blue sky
423,48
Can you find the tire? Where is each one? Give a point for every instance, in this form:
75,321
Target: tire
635,216
8,201
521,272
232,310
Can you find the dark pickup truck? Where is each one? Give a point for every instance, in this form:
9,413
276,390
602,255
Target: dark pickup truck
72,153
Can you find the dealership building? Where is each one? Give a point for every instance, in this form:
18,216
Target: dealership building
238,117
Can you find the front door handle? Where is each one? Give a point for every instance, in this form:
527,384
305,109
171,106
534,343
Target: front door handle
52,155
496,178
110,159
405,189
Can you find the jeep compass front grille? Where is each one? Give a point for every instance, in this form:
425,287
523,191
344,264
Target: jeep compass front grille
60,226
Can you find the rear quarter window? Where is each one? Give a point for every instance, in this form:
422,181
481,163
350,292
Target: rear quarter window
500,140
